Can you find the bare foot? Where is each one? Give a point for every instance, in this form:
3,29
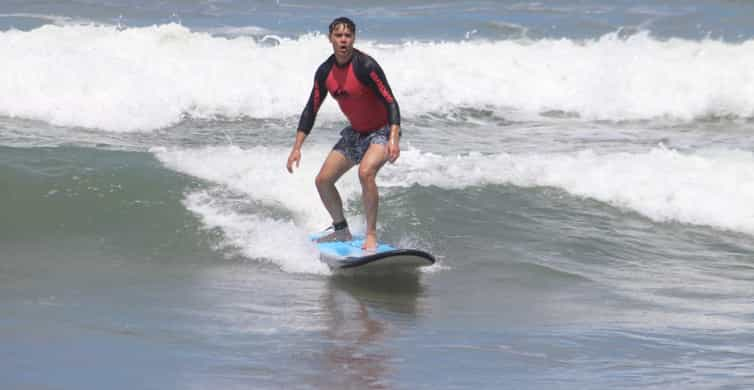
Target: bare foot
370,242
337,235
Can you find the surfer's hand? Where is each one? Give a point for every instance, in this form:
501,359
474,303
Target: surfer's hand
393,151
294,157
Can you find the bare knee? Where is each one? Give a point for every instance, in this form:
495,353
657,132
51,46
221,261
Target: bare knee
367,175
323,181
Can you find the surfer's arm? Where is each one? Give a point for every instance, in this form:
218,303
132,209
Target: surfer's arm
393,146
371,72
295,156
316,97
377,81
306,122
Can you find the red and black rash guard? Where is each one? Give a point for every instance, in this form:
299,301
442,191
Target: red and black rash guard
361,90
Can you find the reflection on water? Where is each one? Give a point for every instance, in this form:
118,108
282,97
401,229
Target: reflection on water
363,313
394,293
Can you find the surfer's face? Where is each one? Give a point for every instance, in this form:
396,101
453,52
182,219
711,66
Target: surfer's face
342,39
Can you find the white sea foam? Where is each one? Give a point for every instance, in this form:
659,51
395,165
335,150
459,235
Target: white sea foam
147,78
280,242
259,174
713,187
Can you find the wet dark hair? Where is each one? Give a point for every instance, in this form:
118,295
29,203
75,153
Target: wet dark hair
343,21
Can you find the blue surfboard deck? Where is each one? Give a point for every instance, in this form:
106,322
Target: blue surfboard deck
348,255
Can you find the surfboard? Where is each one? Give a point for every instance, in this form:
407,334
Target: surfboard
348,255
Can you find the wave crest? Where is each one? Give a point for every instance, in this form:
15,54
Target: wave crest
147,78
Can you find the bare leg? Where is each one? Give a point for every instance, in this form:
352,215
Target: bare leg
335,165
373,160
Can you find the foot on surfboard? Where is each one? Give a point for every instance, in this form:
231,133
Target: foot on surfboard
370,244
332,235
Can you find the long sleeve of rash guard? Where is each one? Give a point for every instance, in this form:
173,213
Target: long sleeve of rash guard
316,97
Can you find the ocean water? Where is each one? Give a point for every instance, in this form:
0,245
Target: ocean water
582,170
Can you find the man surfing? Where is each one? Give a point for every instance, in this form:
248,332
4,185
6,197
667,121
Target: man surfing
359,86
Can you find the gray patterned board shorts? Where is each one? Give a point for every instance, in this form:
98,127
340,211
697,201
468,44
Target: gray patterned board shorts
354,145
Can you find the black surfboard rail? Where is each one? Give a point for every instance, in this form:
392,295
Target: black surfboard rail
351,262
